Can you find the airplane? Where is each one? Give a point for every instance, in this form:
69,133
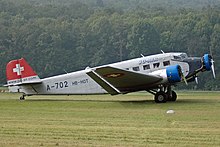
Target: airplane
155,74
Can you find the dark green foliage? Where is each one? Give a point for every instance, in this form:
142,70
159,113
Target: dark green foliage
70,35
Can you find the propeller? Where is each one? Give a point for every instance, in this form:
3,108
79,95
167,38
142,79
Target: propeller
212,63
213,68
196,79
182,76
208,63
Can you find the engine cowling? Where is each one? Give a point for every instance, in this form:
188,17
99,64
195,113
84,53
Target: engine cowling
171,74
206,60
174,73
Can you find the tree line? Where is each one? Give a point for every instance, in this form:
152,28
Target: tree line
55,37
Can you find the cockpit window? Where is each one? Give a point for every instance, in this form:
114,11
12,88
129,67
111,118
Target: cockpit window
177,57
181,56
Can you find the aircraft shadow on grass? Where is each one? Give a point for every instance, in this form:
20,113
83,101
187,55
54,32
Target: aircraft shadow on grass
139,102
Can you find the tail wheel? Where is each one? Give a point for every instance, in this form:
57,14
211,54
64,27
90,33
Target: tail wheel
160,97
22,97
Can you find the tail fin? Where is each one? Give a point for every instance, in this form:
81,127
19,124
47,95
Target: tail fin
19,72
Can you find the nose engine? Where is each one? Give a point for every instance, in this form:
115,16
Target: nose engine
208,64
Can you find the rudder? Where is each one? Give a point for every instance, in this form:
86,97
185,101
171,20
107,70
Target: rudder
19,72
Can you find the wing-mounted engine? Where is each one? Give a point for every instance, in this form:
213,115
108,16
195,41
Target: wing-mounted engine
172,74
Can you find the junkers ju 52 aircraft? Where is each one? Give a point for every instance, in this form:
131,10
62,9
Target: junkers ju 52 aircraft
155,74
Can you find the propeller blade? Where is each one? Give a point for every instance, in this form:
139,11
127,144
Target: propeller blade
212,68
181,75
183,78
196,79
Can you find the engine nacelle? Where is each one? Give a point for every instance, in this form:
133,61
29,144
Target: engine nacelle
173,73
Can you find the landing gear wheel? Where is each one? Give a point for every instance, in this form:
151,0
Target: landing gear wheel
173,96
22,97
160,97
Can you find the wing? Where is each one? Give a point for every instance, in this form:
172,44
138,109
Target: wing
116,81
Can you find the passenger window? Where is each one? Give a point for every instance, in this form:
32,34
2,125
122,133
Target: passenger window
136,68
166,63
156,65
126,68
146,67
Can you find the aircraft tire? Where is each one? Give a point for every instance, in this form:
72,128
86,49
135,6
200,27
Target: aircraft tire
160,97
173,97
22,98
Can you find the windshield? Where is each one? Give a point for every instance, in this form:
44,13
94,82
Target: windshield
183,55
180,57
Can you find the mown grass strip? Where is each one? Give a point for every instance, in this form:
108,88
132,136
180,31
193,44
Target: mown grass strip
110,121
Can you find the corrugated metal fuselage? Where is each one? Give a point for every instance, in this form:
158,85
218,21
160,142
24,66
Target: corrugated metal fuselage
81,83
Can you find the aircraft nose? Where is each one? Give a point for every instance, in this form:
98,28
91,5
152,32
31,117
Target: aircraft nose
208,63
195,64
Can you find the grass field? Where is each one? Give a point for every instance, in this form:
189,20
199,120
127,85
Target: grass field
105,120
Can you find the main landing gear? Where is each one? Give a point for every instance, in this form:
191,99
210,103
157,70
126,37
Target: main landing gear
164,94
